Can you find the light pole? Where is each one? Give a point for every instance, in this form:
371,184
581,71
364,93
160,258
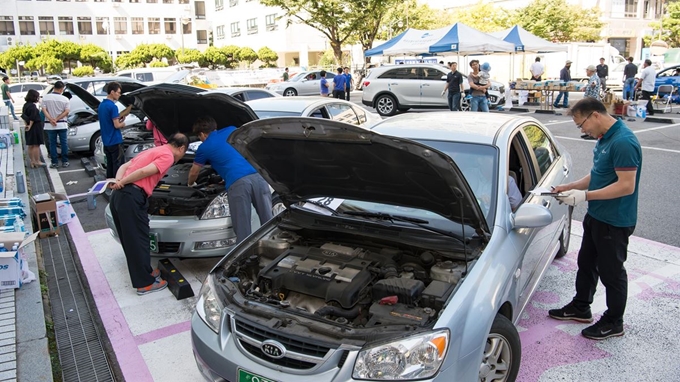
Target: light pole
399,23
185,21
107,28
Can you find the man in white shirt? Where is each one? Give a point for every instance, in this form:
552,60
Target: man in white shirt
537,69
56,109
646,83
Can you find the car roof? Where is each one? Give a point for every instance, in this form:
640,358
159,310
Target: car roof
30,83
236,89
293,104
106,79
419,65
445,125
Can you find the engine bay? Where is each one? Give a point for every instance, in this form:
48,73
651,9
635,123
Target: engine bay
173,197
343,283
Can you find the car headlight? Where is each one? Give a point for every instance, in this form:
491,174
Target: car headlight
72,131
209,307
143,147
415,357
496,88
218,208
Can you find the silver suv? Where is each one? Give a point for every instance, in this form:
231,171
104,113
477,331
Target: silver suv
394,88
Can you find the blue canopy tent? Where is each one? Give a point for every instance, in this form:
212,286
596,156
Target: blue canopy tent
458,38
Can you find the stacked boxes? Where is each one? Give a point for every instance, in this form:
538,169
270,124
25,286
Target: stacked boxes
12,215
44,208
12,262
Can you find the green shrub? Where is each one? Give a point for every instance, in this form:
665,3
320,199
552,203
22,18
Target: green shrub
83,71
158,64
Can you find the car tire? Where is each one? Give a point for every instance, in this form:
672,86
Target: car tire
565,236
93,141
464,104
290,92
502,352
277,205
386,105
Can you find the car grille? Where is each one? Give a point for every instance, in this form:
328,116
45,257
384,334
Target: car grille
301,354
168,247
502,89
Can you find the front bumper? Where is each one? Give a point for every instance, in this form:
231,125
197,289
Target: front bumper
178,235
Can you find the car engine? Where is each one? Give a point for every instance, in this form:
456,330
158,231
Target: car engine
172,196
345,283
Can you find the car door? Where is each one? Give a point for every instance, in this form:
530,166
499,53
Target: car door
541,157
256,94
431,86
404,83
667,77
342,112
310,85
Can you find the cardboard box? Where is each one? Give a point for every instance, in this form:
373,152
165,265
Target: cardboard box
10,261
44,207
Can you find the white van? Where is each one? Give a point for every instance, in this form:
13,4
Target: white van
149,75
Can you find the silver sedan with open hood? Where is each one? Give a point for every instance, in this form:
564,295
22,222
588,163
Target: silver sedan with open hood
399,256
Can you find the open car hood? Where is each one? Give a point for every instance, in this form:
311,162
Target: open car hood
174,107
304,158
92,101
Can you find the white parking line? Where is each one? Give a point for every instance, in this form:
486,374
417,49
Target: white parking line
75,170
557,123
656,128
593,141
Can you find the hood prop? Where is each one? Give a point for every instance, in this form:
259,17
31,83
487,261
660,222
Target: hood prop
459,194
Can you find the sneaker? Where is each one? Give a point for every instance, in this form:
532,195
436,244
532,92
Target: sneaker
602,329
54,165
156,273
155,287
557,106
569,312
65,164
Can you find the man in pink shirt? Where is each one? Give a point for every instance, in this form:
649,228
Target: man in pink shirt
158,138
135,181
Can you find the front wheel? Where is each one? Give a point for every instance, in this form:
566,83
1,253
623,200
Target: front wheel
290,92
386,105
565,236
502,352
464,104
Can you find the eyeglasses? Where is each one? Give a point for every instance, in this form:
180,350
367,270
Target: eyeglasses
580,125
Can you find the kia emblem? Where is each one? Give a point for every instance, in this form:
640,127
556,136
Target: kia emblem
273,349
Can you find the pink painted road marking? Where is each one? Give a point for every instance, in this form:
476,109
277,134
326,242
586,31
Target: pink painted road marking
161,333
129,357
97,232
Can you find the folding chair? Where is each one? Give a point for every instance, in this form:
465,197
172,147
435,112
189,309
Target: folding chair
664,102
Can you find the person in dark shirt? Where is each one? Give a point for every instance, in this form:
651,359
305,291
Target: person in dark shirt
602,72
565,76
454,84
629,73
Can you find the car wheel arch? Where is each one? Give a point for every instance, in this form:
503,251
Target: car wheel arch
388,93
506,310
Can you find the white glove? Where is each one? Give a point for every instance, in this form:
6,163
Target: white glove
572,197
443,92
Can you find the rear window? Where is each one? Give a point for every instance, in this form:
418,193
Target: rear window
271,114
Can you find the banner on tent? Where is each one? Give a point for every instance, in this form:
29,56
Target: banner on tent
416,61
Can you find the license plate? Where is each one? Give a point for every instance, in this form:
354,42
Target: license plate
246,376
153,242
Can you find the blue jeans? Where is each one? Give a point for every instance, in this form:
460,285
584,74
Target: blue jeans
559,97
52,136
454,101
629,89
479,103
10,105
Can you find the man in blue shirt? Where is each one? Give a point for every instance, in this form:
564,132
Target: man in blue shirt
611,190
349,84
110,123
243,184
339,85
323,84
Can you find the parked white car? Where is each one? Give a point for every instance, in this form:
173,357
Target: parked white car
19,91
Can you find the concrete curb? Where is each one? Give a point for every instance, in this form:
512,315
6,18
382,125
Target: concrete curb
659,120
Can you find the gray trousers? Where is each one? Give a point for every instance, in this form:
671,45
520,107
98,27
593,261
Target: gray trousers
250,190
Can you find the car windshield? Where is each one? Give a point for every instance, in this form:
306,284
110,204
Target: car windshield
298,76
478,164
273,113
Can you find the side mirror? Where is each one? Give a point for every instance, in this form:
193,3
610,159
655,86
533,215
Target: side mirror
444,78
531,216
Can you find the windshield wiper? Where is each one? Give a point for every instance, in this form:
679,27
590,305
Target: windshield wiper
415,221
316,203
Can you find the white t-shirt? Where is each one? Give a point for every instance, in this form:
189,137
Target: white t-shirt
648,78
55,105
536,69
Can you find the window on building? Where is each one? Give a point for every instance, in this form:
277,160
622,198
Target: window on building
26,25
63,0
631,8
154,25
66,25
102,23
84,25
219,5
170,25
168,1
235,29
116,1
183,1
120,25
252,25
152,1
199,7
6,25
658,9
137,24
135,1
202,37
99,1
46,25
81,1
219,31
270,22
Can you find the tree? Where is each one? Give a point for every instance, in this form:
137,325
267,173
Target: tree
268,57
410,14
24,53
51,65
215,56
188,56
372,12
333,18
668,29
129,61
247,55
158,64
70,52
557,21
96,57
230,53
485,17
83,71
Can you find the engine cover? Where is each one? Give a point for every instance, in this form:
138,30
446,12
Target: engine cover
317,272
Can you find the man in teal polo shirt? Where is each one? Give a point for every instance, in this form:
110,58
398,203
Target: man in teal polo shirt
611,190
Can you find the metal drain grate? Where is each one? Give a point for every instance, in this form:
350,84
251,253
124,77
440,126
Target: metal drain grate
81,353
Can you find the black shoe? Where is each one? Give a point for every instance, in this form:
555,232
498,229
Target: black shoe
557,106
569,312
65,164
602,329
